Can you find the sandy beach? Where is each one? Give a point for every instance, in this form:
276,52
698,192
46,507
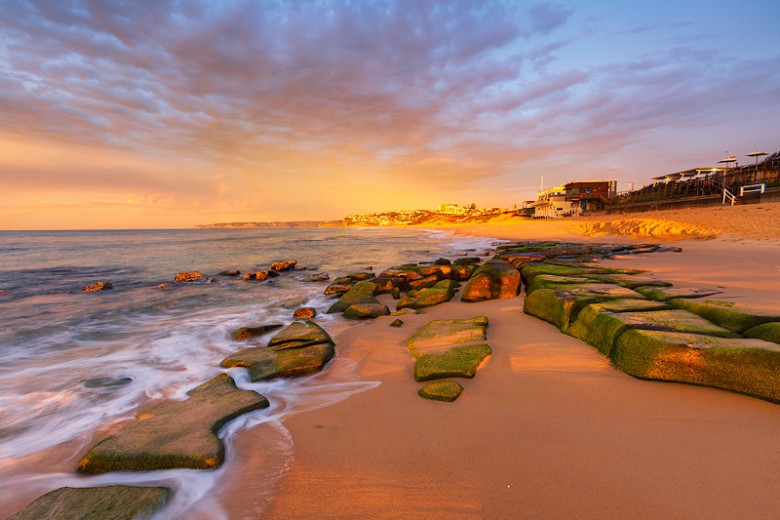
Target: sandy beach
547,429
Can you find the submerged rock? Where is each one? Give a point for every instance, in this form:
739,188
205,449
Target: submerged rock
107,382
175,434
243,333
257,275
188,276
305,313
446,391
230,272
320,277
98,286
284,266
96,503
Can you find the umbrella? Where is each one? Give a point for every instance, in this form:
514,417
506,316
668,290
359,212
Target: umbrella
756,154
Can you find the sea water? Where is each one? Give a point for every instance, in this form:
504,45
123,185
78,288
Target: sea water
75,363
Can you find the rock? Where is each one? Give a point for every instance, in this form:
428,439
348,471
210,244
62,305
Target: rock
383,285
600,327
96,503
442,261
267,363
107,382
461,273
397,323
344,283
460,361
441,292
360,311
396,293
663,294
767,332
335,288
305,313
531,270
361,292
243,333
561,305
188,276
230,272
98,286
446,391
175,434
292,303
747,366
423,283
496,278
320,277
440,333
257,275
163,286
726,314
467,260
284,266
299,334
407,310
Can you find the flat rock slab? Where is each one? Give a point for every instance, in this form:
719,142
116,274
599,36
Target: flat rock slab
446,391
96,503
726,314
495,279
439,333
561,306
600,328
669,293
460,361
747,366
299,334
267,363
175,434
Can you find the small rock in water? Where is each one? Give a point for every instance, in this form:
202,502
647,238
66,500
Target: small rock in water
396,323
188,276
243,333
107,382
284,266
163,286
320,277
95,287
304,313
257,275
230,272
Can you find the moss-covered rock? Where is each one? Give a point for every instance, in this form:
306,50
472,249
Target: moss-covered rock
494,279
266,363
767,332
747,366
423,283
467,260
630,281
460,361
96,503
531,270
361,292
343,284
726,314
397,323
663,294
175,434
362,311
243,333
600,327
440,333
446,391
561,306
442,292
299,334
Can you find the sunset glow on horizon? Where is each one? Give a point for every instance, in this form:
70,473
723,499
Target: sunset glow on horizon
170,114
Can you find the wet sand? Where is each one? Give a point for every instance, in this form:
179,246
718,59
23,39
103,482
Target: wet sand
547,428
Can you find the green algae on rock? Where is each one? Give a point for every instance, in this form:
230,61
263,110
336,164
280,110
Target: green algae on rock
746,366
267,363
669,293
726,314
767,332
299,334
441,333
442,292
446,391
362,311
361,292
459,361
96,503
175,434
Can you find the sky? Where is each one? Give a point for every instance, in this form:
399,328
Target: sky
172,113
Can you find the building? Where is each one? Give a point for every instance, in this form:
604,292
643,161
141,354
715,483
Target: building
573,198
452,209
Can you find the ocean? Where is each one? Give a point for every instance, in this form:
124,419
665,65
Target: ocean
76,363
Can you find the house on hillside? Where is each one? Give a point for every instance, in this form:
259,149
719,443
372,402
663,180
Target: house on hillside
573,198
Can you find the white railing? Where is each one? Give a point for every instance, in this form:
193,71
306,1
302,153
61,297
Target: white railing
753,188
727,195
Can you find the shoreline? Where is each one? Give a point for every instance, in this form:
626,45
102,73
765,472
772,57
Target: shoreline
548,428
